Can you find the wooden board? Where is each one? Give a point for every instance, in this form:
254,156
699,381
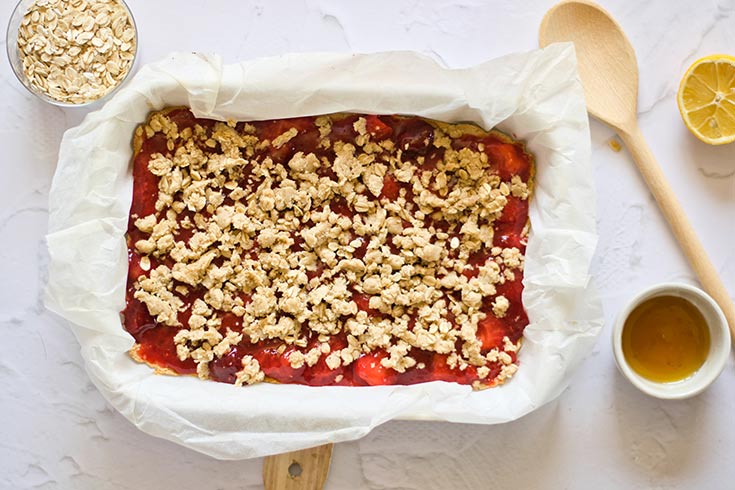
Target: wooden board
298,470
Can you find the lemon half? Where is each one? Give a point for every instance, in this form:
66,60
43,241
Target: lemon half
706,99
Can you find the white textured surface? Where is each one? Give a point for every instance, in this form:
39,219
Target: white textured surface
58,432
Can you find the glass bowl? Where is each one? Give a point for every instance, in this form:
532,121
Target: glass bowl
11,44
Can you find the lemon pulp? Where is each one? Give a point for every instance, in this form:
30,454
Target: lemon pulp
706,99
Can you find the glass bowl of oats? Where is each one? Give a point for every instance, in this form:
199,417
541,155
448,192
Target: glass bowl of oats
72,53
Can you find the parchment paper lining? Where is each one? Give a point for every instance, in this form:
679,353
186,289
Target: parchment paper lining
535,96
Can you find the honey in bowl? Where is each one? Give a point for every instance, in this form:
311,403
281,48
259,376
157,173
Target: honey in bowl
665,339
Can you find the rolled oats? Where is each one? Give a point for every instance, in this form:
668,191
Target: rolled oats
70,53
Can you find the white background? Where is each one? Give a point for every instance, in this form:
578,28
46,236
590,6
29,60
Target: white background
56,431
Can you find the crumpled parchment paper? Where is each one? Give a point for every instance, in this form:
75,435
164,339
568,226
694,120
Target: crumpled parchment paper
535,96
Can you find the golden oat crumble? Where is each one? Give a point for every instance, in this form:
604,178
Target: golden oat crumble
411,272
250,372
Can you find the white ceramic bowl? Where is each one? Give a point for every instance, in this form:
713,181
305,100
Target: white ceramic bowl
716,358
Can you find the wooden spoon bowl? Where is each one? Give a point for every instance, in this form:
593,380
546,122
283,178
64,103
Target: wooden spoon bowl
606,60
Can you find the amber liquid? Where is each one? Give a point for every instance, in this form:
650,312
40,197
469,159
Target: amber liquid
665,339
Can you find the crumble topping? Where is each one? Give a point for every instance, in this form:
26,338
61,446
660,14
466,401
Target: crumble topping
380,252
250,372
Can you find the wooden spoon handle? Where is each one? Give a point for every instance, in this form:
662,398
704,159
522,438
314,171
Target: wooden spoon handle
298,470
680,226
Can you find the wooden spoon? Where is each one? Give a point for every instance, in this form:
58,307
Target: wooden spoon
298,470
609,73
